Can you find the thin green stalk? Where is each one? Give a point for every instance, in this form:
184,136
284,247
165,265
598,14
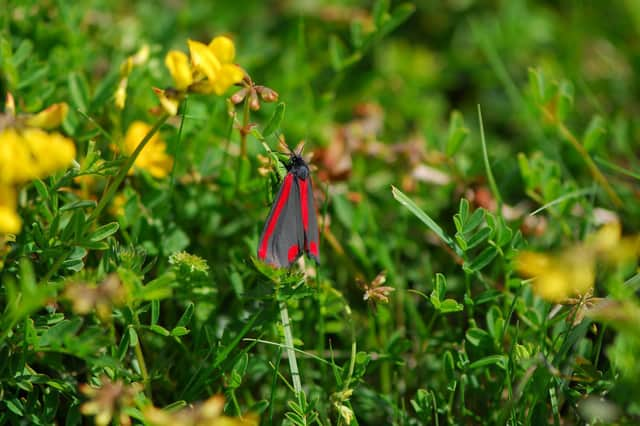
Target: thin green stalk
178,156
580,149
110,191
244,131
291,354
140,357
485,156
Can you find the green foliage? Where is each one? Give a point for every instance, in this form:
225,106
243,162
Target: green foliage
135,280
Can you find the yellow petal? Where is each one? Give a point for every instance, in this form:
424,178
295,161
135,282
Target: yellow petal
153,158
50,152
203,59
607,237
178,65
531,264
121,94
552,286
15,159
169,103
51,117
229,75
223,48
10,222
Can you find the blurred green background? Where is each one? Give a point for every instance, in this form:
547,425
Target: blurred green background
382,93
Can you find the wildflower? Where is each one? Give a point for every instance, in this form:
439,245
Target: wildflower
49,118
376,292
102,298
208,69
109,401
178,65
255,93
28,152
209,412
189,262
139,58
215,61
572,272
10,222
153,157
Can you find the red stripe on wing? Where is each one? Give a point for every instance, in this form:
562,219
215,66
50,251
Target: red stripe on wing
280,202
304,204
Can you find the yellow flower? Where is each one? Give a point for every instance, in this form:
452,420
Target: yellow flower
572,272
215,61
139,58
117,205
112,399
178,65
10,222
169,99
49,118
557,278
30,153
153,157
209,412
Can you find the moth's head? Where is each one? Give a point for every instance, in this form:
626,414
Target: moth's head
298,166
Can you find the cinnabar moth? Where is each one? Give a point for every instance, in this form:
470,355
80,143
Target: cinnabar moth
291,228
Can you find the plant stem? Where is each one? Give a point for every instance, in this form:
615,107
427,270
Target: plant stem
593,168
291,354
244,131
110,191
140,356
487,166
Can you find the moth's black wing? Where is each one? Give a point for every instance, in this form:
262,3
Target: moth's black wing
282,239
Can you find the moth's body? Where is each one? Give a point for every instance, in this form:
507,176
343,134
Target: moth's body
291,228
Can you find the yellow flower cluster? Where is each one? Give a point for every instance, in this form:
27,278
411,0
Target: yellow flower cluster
572,272
209,69
27,152
153,158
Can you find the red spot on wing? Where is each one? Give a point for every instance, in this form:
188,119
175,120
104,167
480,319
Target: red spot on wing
293,253
304,203
313,248
271,226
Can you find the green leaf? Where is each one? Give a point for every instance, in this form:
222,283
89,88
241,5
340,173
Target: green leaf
458,133
398,16
185,319
80,204
565,99
275,121
478,237
380,11
474,221
483,259
337,52
477,336
155,311
158,329
160,288
424,217
104,231
79,90
133,337
41,188
594,135
500,361
448,366
179,331
450,305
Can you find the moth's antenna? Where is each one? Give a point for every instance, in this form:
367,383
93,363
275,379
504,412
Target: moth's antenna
300,148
